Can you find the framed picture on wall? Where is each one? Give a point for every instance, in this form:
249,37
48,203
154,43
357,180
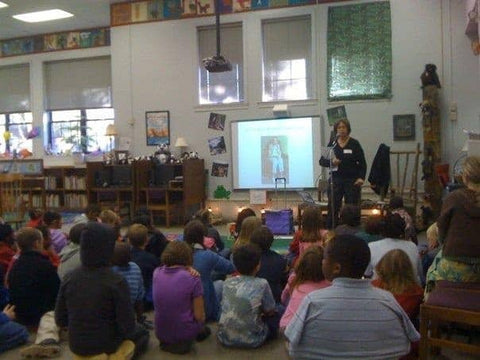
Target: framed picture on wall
404,127
158,127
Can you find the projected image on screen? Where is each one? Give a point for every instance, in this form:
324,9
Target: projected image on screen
274,158
265,149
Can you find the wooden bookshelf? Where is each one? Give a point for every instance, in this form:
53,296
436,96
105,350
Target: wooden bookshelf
65,188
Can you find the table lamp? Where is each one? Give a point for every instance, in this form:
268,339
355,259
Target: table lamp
182,144
111,131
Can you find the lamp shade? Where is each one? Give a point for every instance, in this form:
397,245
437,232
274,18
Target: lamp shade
181,142
111,130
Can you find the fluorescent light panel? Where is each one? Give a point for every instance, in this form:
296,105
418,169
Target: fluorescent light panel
2,5
46,15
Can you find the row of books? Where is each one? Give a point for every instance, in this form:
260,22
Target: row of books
69,183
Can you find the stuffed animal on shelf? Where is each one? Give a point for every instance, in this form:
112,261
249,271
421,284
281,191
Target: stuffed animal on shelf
163,154
429,76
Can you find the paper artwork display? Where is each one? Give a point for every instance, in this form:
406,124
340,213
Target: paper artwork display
216,121
219,169
217,145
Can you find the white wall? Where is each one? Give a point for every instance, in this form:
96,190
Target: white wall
154,67
160,65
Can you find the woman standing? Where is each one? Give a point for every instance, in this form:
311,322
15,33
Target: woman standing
347,170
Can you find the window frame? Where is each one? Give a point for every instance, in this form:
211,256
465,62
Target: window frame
83,125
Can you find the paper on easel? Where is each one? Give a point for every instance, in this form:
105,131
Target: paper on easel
258,197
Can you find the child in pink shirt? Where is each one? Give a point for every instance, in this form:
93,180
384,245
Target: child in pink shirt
308,277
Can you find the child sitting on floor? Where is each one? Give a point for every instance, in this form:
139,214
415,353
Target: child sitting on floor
273,266
54,222
206,262
11,333
248,315
395,274
308,276
313,232
178,300
349,319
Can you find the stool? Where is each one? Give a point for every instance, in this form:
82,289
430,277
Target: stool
124,352
451,303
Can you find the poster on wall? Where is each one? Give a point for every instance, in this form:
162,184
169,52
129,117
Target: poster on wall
217,145
335,114
219,169
404,127
216,121
157,127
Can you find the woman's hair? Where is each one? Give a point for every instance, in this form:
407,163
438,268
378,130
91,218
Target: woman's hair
395,270
242,215
50,216
309,267
312,223
471,169
344,122
194,232
350,215
177,253
249,225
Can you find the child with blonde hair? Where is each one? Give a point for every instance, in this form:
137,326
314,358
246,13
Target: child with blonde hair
249,225
308,277
395,274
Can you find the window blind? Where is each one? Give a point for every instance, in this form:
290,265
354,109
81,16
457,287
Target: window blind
15,88
78,84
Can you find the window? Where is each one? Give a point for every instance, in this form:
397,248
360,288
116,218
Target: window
287,59
19,125
224,87
359,52
78,130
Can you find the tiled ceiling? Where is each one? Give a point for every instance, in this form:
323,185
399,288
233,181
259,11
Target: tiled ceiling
87,14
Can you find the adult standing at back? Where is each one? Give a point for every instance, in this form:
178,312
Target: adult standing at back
347,169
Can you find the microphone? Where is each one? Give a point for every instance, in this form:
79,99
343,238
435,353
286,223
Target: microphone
335,141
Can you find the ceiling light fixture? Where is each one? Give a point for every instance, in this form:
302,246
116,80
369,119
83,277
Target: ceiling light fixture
3,5
46,15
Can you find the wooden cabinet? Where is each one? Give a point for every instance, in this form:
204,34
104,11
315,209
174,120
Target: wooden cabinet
172,190
111,186
65,188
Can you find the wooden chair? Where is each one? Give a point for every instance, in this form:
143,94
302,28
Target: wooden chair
404,166
449,303
12,204
158,201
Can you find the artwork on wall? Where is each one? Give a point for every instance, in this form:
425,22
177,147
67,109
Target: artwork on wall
217,145
336,113
216,121
24,167
219,169
157,124
55,42
404,127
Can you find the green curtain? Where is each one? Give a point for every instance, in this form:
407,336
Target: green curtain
359,51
